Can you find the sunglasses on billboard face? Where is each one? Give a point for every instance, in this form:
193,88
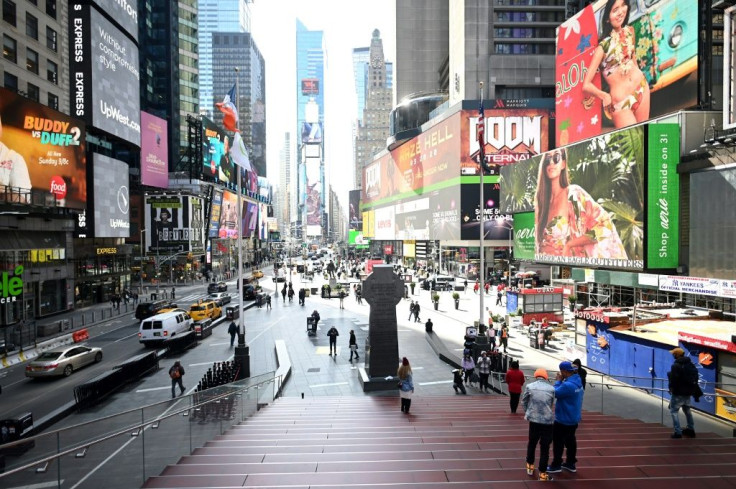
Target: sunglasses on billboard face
554,159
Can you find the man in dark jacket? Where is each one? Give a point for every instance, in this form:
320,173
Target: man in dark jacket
333,334
568,409
683,377
176,372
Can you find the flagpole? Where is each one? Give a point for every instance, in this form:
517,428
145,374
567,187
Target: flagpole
243,354
481,163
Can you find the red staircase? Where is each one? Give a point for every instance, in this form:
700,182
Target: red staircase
446,442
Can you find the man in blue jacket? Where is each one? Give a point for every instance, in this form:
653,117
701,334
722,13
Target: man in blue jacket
568,409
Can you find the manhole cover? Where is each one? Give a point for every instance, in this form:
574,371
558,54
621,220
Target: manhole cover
315,369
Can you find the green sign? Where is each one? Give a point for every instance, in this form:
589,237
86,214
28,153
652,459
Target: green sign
355,238
663,196
524,236
11,287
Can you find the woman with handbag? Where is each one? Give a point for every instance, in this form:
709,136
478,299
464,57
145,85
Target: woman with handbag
514,379
468,366
405,385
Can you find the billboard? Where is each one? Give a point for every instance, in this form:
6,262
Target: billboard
154,151
413,218
445,221
494,223
356,238
623,62
41,150
355,220
124,12
514,131
314,196
729,61
311,132
428,159
588,200
111,197
384,222
250,219
369,224
216,163
174,224
663,196
310,86
215,210
105,88
524,236
228,216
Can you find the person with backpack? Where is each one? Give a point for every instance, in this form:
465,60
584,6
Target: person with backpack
683,377
176,372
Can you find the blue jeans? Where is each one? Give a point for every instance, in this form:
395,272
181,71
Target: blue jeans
677,402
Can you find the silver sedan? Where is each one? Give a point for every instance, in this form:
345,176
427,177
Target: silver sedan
63,361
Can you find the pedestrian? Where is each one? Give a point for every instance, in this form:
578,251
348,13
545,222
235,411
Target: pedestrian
268,301
333,334
683,383
476,287
514,380
416,312
291,294
173,293
568,410
457,382
135,298
465,285
504,337
538,403
232,330
491,335
428,325
341,295
329,291
468,366
176,372
315,318
302,296
487,287
353,343
581,371
499,295
283,293
484,370
411,310
360,296
405,385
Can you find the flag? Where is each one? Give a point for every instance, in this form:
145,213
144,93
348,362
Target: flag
481,133
227,107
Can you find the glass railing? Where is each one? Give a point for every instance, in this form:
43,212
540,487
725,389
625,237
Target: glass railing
123,450
645,399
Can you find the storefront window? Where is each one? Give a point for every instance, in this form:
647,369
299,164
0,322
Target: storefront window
52,296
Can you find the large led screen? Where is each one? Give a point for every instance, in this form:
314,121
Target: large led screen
514,131
356,216
42,155
588,200
216,163
111,197
311,132
124,12
105,88
215,210
495,224
620,62
154,151
229,216
663,195
314,197
174,224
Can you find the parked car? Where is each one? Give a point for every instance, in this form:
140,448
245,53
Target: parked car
220,298
63,360
205,309
147,309
216,287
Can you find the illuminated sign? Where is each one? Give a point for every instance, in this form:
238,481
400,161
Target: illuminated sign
107,251
310,86
11,287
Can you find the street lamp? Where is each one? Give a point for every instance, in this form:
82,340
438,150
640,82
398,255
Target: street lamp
140,270
508,224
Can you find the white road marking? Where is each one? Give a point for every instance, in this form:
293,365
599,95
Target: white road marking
125,337
218,344
200,364
435,383
40,485
153,389
329,385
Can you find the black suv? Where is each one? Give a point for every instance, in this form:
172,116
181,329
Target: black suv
216,287
147,309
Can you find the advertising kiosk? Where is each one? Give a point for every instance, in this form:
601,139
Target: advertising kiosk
536,304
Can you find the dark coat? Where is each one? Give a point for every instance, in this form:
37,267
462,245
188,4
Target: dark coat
683,377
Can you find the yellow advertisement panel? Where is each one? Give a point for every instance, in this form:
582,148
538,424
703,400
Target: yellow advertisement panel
368,219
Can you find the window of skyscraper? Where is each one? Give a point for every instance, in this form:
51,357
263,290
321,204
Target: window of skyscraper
51,41
53,101
32,61
52,71
10,82
9,12
10,49
51,8
33,92
31,26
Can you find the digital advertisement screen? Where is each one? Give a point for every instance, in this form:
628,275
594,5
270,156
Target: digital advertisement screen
514,131
413,218
250,219
356,238
311,132
355,220
216,163
42,154
384,225
310,86
620,62
495,224
229,216
588,200
445,208
154,151
215,210
663,196
111,197
314,197
124,12
105,88
174,224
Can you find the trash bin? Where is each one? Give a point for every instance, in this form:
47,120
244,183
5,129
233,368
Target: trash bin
154,296
232,312
14,429
311,326
534,338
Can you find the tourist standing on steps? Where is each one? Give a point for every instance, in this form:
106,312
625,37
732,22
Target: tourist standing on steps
683,383
468,366
457,381
406,385
538,403
514,379
568,410
484,370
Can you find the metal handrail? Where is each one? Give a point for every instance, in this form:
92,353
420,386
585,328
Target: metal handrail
133,427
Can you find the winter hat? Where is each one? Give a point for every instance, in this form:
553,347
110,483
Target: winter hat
540,372
404,362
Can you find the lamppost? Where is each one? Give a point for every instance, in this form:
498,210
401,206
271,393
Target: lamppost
140,270
508,223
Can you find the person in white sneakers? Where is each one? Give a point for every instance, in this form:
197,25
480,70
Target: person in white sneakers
538,402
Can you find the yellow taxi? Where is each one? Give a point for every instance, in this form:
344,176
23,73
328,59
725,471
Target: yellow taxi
257,274
205,309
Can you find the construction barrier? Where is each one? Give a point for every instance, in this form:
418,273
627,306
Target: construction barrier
81,335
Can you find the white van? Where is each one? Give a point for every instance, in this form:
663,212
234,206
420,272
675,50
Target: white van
162,327
444,282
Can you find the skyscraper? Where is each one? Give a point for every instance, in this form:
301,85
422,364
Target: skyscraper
285,202
217,16
373,130
231,50
361,61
